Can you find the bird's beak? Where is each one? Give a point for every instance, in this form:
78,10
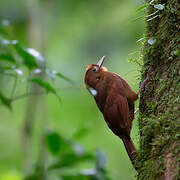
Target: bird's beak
100,62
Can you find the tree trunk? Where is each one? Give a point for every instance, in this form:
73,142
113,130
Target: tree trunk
36,39
159,119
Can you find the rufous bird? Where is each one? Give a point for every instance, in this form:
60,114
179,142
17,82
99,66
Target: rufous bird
115,99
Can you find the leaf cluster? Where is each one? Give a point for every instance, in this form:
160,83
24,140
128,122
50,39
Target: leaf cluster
65,156
17,62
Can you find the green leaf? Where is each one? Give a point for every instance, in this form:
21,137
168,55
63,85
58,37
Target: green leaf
142,7
45,85
31,57
38,57
54,142
5,101
7,57
28,60
64,77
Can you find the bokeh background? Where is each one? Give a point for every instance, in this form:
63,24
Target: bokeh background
72,34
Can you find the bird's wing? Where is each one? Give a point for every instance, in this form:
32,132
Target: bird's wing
116,114
123,109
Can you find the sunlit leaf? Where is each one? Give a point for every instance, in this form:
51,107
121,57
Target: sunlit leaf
5,101
37,55
31,57
11,175
28,60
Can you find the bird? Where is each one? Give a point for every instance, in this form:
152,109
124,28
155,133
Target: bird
116,100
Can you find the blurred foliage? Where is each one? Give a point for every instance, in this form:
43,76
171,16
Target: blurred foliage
76,33
12,59
66,153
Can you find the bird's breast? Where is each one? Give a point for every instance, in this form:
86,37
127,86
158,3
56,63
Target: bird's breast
93,91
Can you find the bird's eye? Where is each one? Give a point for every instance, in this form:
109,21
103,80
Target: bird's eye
94,69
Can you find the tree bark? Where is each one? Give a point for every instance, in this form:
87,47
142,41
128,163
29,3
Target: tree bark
159,119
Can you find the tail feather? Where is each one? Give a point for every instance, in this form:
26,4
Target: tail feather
130,148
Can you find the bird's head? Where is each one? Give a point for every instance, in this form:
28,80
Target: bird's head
94,72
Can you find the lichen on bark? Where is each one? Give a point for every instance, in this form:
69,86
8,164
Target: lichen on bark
159,119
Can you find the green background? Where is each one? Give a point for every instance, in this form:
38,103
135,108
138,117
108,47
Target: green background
75,33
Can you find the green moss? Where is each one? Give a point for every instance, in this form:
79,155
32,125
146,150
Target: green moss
159,120
158,134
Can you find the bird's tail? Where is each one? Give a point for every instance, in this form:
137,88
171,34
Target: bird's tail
130,148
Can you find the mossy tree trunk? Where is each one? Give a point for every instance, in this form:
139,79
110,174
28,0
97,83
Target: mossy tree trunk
159,119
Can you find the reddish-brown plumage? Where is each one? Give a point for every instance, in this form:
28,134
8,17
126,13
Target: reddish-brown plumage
115,100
